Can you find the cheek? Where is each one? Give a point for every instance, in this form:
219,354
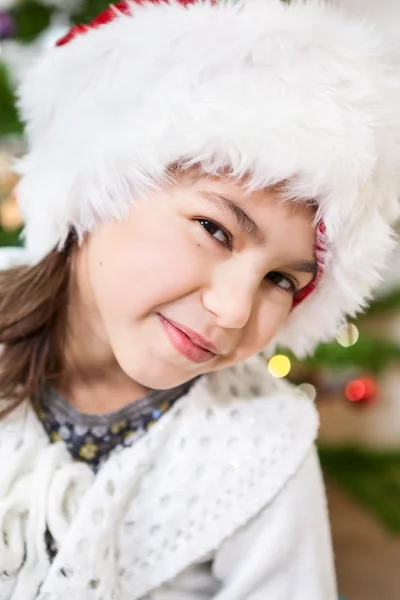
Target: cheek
134,268
267,323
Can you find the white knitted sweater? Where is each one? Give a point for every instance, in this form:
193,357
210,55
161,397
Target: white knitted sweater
222,499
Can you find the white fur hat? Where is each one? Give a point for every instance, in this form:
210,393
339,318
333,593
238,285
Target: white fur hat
300,93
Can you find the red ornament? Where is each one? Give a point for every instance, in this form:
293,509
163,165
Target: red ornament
362,390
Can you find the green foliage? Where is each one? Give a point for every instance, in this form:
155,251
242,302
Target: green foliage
91,9
369,354
372,477
10,238
31,19
390,301
9,122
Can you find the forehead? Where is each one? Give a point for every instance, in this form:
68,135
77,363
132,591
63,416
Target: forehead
195,176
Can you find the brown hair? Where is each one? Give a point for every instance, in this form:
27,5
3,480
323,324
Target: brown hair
33,311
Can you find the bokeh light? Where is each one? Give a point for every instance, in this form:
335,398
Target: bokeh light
279,365
355,390
348,335
307,389
360,389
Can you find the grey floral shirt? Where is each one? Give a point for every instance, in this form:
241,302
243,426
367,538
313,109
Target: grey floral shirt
91,438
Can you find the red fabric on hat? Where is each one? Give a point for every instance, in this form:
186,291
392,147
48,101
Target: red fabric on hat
306,291
107,16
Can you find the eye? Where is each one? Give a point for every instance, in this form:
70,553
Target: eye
217,232
284,282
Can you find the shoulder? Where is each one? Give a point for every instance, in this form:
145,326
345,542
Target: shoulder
22,441
20,424
283,540
238,438
248,400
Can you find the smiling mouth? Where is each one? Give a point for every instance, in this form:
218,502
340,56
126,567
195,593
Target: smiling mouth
188,342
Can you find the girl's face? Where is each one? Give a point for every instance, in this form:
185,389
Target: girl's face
200,276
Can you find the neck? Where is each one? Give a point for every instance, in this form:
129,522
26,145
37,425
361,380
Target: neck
93,382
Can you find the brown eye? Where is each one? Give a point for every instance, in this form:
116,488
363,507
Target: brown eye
282,281
216,232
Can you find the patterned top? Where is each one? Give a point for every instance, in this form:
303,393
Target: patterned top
91,438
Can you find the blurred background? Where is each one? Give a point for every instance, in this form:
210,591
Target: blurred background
355,381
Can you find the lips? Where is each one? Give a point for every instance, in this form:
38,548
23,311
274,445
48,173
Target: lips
189,343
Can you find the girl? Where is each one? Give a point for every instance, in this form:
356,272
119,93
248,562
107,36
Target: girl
203,181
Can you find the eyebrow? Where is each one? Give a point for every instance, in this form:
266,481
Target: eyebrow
244,221
250,227
304,266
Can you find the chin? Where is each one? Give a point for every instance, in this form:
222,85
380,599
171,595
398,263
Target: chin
163,383
155,377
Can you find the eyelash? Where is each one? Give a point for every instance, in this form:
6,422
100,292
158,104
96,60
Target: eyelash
228,244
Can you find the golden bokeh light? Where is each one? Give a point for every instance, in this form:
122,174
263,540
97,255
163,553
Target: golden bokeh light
279,365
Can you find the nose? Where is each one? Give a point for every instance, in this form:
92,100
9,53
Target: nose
231,297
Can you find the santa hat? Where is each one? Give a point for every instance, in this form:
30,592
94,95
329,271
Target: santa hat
299,93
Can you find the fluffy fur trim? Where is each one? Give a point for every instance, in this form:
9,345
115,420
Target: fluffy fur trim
300,93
